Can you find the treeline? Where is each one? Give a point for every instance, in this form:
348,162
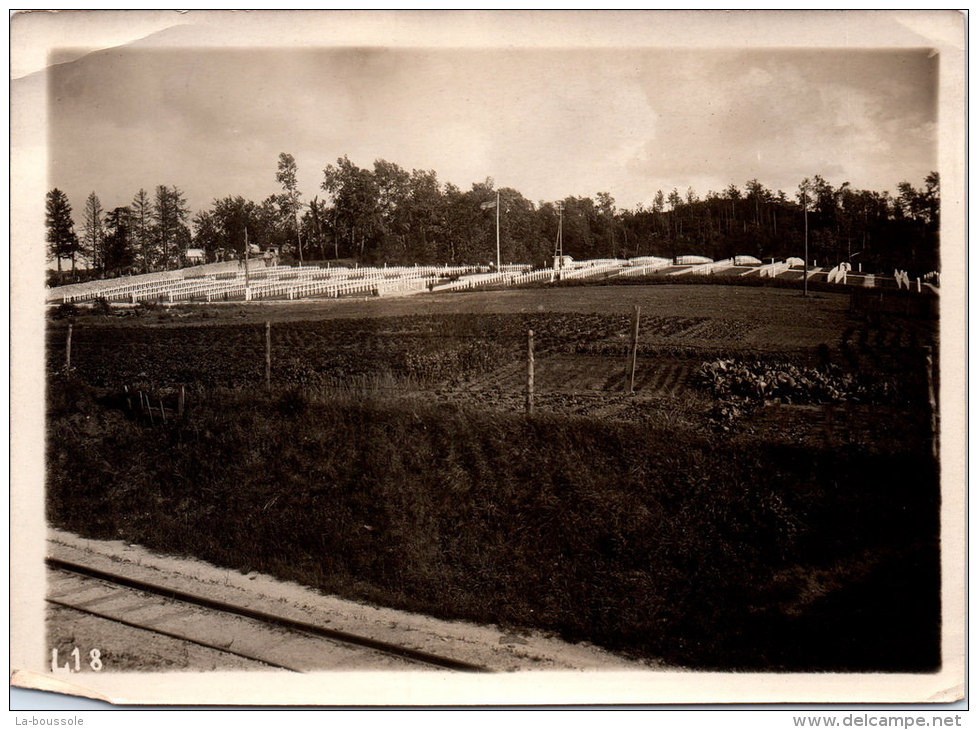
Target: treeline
149,234
387,214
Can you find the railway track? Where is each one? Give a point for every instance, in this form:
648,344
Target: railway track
251,634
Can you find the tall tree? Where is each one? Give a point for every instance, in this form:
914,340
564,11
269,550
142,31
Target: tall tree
286,177
94,232
118,251
235,219
142,230
169,224
393,208
62,240
270,224
607,213
756,194
355,210
206,235
658,209
427,216
316,223
658,202
932,198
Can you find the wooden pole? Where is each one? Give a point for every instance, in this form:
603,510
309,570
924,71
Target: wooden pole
268,355
932,402
497,231
529,371
828,413
181,401
246,253
804,203
631,380
68,348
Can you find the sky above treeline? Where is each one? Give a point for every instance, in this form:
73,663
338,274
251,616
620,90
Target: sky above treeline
547,122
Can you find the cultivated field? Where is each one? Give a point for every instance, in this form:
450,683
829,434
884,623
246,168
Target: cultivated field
223,345
765,499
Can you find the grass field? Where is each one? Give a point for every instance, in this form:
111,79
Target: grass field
391,461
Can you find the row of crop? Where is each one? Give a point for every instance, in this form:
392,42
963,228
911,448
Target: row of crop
790,383
104,363
441,349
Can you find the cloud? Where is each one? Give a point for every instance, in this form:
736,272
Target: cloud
548,123
779,119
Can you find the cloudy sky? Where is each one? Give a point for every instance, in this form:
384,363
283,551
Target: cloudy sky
548,122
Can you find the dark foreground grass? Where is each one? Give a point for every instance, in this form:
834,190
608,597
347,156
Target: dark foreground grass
659,544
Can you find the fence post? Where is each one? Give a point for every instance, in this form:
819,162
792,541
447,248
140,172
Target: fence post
268,355
932,402
828,414
631,381
529,371
68,348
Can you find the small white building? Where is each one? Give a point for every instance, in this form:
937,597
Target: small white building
194,256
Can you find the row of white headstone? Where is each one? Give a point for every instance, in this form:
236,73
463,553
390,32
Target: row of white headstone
838,274
903,281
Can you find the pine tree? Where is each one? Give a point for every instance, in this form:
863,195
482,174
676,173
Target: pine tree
142,226
94,232
169,225
286,177
61,238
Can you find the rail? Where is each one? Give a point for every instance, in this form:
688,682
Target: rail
264,617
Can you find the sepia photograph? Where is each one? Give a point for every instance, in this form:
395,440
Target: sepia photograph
488,357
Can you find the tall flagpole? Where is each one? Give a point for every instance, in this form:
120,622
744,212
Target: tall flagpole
560,232
247,291
804,198
497,232
559,243
246,257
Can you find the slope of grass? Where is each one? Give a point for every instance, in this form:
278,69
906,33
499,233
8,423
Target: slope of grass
713,554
